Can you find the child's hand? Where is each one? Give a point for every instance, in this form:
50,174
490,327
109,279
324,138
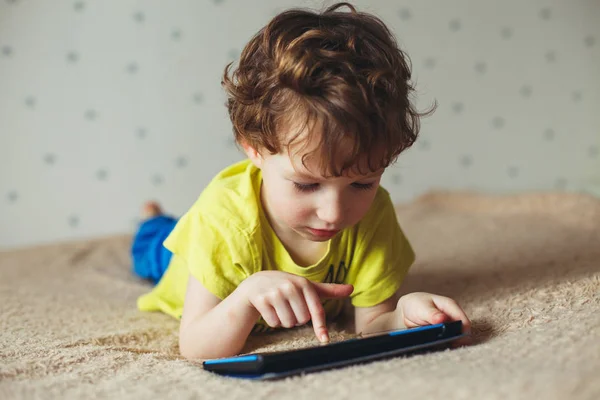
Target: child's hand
288,300
421,308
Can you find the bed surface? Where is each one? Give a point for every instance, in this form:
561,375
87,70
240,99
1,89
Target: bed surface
526,268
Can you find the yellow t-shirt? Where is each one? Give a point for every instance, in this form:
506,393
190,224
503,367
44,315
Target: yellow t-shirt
225,237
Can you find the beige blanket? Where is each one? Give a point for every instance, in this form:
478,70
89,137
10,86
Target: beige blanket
526,268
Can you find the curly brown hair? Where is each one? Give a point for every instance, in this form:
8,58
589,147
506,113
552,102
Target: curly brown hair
342,72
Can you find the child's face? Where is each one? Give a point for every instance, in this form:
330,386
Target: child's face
300,202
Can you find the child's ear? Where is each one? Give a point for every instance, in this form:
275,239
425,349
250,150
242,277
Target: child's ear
252,153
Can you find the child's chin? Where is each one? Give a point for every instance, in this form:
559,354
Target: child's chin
318,238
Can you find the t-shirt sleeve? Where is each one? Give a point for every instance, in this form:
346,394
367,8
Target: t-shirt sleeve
382,255
216,252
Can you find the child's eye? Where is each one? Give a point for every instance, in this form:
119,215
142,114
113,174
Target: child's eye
362,186
306,187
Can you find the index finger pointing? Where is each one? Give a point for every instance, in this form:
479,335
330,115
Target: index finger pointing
317,313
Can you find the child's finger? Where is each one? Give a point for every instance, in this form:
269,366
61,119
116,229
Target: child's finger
428,316
269,314
317,313
284,312
423,312
453,310
299,307
333,290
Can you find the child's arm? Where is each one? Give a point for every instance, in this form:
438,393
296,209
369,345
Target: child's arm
211,328
379,318
411,310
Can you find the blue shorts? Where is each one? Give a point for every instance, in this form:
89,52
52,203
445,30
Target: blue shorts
150,257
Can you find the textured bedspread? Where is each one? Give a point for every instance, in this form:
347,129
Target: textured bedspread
526,268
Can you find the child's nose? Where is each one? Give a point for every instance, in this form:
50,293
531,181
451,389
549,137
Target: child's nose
331,212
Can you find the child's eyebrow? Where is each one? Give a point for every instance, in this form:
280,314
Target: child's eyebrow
301,175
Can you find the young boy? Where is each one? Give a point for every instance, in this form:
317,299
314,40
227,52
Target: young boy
320,105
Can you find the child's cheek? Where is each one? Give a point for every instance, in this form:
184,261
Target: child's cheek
299,212
361,208
287,205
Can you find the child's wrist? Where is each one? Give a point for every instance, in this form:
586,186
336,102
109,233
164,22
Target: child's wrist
243,308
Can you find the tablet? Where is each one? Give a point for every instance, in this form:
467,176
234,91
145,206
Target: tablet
291,362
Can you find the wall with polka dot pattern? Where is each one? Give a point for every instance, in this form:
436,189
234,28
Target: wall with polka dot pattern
106,104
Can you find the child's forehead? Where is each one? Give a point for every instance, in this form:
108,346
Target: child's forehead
304,146
310,165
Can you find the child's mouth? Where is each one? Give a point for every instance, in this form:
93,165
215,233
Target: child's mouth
322,233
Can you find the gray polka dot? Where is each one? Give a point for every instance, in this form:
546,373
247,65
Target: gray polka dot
11,1
132,68
549,134
593,151
102,174
72,57
526,91
30,101
589,41
181,162
176,34
7,51
73,221
90,115
498,122
545,13
455,25
140,132
424,144
512,171
50,159
198,98
481,67
457,107
218,1
576,96
79,6
405,14
139,17
466,160
429,63
560,183
157,180
550,56
506,32
233,54
396,179
12,196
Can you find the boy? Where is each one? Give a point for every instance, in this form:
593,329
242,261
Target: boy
319,103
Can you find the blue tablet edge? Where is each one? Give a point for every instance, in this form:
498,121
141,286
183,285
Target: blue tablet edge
268,376
373,357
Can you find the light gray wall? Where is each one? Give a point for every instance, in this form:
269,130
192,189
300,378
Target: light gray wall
105,104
